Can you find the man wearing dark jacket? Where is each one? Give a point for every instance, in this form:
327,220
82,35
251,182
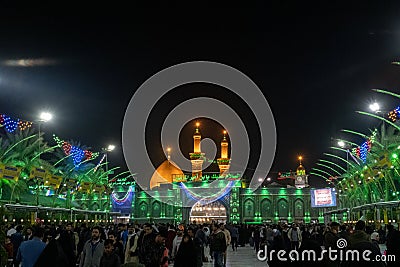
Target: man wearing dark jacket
218,245
360,241
330,241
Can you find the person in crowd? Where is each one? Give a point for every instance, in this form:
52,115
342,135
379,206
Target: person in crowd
217,245
198,247
375,240
309,244
28,234
186,255
360,241
201,238
343,232
123,234
146,243
170,239
110,258
8,246
29,251
393,248
256,236
92,250
382,235
359,234
331,238
285,237
228,240
234,236
132,251
12,230
390,231
58,252
17,238
294,235
176,242
84,236
269,235
242,236
158,253
118,247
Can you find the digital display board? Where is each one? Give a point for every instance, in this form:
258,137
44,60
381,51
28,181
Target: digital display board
324,197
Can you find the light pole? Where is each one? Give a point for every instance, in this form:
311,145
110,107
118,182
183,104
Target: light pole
106,150
375,107
109,148
43,117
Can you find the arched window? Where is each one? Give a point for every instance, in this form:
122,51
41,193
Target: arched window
266,208
249,208
156,212
143,209
299,208
283,209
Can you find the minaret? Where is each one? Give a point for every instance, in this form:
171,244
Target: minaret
301,176
197,157
223,162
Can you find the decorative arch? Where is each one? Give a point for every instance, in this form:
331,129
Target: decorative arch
298,208
169,209
283,208
95,206
266,208
156,209
248,208
143,207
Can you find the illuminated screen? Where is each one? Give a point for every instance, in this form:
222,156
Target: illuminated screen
324,197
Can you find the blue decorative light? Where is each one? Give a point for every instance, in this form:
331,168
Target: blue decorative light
78,155
10,124
363,151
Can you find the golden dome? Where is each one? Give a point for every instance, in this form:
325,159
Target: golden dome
165,173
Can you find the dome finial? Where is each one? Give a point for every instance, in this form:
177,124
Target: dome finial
169,153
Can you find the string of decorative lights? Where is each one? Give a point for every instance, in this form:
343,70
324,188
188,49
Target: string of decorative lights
77,154
11,124
362,151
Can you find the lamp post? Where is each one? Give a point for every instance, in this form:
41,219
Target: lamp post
375,107
43,117
109,148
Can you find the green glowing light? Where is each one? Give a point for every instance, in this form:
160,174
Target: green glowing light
328,167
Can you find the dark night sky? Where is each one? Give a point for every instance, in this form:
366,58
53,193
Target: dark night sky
315,65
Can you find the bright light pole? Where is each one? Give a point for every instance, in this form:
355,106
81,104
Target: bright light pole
341,143
106,150
375,107
43,117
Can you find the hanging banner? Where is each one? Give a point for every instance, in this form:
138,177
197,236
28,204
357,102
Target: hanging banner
385,216
85,187
70,183
97,188
53,181
9,172
38,174
122,201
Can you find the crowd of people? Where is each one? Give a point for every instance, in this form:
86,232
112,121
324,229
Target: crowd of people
160,245
341,239
148,245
